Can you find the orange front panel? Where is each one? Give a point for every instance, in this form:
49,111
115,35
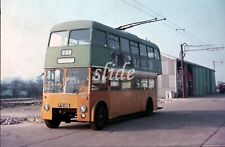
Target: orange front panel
74,100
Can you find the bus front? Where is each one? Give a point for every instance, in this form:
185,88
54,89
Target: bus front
66,76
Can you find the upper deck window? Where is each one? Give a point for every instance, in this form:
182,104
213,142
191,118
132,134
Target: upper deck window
113,41
143,50
58,39
157,54
134,47
99,38
150,52
124,44
79,37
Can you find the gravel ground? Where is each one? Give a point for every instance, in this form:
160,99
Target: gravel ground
20,114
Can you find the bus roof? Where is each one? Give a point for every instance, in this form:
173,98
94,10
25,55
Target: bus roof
81,24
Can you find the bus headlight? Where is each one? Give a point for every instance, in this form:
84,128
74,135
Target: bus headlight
83,109
46,107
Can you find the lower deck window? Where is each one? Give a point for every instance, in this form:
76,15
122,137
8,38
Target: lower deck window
151,84
99,83
54,80
137,83
126,84
144,83
77,80
114,85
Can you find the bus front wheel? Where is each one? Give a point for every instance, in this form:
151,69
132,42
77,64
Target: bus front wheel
100,117
149,107
52,123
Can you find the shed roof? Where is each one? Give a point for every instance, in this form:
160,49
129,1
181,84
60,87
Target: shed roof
187,62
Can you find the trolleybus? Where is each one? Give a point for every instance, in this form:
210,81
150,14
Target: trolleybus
94,73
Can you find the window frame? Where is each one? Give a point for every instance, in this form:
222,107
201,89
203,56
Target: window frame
134,82
147,80
138,51
112,39
60,84
127,51
151,79
49,38
77,30
146,53
92,33
124,81
66,80
153,51
156,52
102,86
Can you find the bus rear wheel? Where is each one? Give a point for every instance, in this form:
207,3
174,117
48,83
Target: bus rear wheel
52,123
149,107
100,117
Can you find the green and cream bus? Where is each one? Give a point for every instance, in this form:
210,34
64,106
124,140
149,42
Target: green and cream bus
80,56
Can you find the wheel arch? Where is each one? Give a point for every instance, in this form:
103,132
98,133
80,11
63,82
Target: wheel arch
97,103
154,102
149,102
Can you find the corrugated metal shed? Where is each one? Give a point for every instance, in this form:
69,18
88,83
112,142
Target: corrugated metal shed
199,80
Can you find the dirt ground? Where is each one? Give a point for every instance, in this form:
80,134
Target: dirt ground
20,111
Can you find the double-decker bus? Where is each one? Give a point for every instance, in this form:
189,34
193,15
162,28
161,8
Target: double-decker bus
80,56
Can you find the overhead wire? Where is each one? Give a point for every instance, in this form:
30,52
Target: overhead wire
168,20
170,25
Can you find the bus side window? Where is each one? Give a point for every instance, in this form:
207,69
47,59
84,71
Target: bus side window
114,84
125,84
156,54
135,61
124,45
99,38
144,63
144,83
151,83
134,48
143,50
136,83
98,82
113,41
150,52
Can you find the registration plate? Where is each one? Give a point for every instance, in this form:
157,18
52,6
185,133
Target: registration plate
62,105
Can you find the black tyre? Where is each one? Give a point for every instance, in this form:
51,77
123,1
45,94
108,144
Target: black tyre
149,107
52,123
100,117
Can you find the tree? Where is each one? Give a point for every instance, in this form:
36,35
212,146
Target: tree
17,87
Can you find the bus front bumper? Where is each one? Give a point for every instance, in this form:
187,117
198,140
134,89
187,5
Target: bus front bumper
65,107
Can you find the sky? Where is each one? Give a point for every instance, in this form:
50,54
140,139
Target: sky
25,27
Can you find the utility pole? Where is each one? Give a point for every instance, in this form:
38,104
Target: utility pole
182,55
